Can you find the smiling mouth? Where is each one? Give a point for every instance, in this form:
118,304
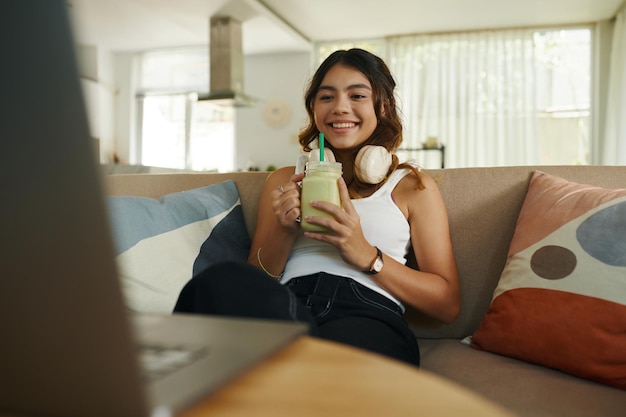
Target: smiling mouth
342,125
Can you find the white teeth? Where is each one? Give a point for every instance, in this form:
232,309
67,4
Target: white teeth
343,125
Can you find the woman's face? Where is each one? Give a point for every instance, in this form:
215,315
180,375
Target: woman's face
344,107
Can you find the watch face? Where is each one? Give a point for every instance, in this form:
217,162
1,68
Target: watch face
378,265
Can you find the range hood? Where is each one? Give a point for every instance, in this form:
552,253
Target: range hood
226,64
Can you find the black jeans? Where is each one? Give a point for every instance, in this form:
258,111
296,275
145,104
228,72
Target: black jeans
336,308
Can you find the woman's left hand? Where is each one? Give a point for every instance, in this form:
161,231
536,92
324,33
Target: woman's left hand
346,233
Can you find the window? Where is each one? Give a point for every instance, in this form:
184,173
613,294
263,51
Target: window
163,130
564,84
176,130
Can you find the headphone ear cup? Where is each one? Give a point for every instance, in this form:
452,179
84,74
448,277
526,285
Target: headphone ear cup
372,164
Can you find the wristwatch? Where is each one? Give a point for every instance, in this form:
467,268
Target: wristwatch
377,263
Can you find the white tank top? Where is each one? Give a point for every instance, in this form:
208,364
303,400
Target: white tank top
383,224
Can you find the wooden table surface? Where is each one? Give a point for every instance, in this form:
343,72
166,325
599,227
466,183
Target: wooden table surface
312,377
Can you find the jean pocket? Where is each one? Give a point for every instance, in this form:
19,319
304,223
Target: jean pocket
372,298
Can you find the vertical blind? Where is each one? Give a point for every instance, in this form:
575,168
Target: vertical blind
474,91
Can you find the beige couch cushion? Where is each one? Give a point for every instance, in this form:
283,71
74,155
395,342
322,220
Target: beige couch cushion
529,390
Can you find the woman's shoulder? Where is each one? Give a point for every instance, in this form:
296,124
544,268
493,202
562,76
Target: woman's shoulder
418,193
414,181
413,174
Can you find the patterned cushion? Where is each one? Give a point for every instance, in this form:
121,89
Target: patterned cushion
561,299
162,243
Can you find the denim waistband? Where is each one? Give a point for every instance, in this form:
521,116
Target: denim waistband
331,286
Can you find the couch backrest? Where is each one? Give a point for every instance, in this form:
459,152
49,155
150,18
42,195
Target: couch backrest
483,204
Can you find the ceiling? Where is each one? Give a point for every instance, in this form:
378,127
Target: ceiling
292,25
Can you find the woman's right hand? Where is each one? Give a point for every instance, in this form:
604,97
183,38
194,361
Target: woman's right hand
286,202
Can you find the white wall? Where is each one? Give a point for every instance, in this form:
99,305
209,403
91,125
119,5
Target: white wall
97,80
271,78
601,62
125,124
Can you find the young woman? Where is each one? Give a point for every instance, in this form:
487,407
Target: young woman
351,284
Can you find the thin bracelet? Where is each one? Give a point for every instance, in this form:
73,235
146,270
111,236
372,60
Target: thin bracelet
269,274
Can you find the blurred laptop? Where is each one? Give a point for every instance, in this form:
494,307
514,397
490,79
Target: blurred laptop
69,346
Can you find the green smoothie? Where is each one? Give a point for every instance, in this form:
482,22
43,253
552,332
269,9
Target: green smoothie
319,183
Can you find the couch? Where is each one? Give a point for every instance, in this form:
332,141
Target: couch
483,206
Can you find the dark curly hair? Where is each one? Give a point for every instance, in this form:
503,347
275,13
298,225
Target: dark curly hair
388,132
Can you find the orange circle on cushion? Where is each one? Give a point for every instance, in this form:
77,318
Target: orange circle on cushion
553,262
